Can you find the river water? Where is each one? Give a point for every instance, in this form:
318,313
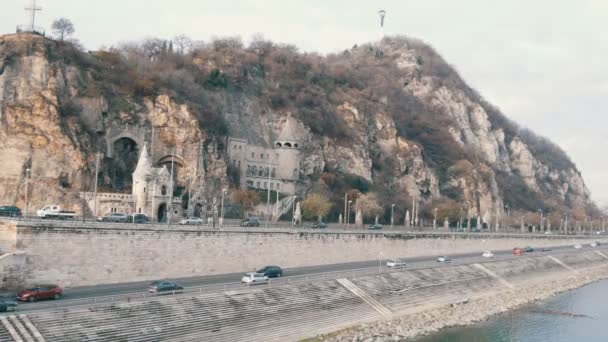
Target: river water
548,320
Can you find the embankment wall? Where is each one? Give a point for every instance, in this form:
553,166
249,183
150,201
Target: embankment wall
405,303
74,256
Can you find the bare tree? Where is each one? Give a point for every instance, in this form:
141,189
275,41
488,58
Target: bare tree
63,27
183,43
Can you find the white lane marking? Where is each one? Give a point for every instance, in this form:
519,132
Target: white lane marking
602,254
365,297
561,263
21,329
10,329
495,276
32,328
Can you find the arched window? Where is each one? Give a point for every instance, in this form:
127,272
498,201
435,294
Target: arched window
163,190
279,144
287,144
295,145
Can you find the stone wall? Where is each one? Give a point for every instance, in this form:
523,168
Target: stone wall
13,269
84,256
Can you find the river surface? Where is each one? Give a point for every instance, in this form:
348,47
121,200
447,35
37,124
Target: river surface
543,321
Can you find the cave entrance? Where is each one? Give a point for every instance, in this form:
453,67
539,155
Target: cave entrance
126,154
198,210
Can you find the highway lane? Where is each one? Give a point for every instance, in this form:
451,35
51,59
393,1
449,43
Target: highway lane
87,295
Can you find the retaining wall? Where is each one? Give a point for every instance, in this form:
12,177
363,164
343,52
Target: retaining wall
75,256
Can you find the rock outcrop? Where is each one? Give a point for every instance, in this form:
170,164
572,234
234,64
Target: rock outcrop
392,117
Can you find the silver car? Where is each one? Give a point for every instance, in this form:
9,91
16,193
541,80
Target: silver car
396,263
253,278
191,220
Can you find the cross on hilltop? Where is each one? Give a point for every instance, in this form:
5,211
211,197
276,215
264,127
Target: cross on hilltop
31,27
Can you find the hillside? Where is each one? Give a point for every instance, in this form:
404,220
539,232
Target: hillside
391,118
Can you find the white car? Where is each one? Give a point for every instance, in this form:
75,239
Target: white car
594,244
253,278
487,254
191,220
444,259
396,263
578,246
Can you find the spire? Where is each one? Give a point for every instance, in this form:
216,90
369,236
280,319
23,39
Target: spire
144,166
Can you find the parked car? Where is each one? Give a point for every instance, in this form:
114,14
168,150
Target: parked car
518,251
7,305
444,259
159,286
250,222
191,221
271,271
253,278
594,244
10,211
545,249
375,226
487,254
114,217
319,225
578,246
40,292
396,263
529,249
54,211
137,218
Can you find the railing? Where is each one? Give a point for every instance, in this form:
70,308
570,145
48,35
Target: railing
285,226
31,29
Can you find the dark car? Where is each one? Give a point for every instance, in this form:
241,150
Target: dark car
7,305
319,225
40,292
271,271
10,211
159,286
529,249
375,226
250,222
137,218
114,217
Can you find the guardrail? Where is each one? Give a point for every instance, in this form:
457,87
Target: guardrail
281,281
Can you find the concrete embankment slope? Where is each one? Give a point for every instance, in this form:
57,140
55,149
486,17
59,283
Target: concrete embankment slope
75,254
294,312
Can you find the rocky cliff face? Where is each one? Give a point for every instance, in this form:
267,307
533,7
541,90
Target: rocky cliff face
391,117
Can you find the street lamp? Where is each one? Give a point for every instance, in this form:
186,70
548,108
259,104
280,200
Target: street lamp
508,225
293,211
348,214
541,219
222,208
27,182
435,218
392,214
460,220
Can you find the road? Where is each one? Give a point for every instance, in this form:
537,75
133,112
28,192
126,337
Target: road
96,294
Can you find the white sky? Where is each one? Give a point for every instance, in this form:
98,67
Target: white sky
543,62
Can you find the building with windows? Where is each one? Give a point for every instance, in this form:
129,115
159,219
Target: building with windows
276,167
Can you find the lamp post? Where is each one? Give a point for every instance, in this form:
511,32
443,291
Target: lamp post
348,214
27,182
468,216
460,220
392,214
566,224
508,216
222,208
541,219
435,218
95,187
293,211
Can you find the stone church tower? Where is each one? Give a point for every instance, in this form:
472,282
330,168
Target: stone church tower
151,188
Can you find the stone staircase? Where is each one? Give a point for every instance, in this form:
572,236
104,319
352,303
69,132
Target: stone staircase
18,328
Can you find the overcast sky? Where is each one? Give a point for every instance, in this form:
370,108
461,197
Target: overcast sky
543,62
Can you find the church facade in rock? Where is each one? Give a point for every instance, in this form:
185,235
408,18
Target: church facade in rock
151,194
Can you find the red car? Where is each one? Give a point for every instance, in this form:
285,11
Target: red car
40,292
518,251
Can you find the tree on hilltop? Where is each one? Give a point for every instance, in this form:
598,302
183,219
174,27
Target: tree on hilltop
63,27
